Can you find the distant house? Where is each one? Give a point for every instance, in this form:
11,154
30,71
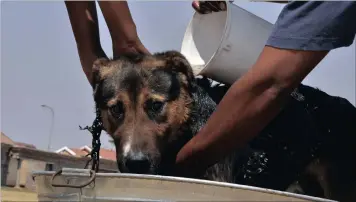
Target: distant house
19,160
21,144
6,144
6,140
85,150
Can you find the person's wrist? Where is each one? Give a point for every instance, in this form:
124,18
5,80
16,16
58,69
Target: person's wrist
125,43
128,32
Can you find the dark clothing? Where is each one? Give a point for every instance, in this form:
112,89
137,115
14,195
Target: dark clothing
315,25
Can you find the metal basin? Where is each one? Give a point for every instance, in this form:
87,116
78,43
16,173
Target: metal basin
83,185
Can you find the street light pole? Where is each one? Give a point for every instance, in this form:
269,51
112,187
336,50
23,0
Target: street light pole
52,124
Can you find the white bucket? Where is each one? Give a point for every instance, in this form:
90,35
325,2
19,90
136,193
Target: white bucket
224,45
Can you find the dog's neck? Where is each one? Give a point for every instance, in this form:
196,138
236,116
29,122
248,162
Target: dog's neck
203,107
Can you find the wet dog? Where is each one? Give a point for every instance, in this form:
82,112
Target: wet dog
152,105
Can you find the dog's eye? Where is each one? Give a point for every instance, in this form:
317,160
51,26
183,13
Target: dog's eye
156,106
117,110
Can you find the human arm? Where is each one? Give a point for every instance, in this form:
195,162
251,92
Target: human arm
248,106
84,22
293,50
122,28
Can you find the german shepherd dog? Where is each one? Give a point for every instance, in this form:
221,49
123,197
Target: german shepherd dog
151,105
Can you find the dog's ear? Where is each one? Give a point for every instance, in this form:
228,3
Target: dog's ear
99,66
177,63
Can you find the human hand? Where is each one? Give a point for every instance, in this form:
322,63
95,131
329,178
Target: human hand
129,42
205,7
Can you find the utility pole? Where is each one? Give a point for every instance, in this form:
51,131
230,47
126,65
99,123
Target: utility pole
52,125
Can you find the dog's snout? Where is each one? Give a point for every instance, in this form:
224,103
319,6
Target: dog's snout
137,163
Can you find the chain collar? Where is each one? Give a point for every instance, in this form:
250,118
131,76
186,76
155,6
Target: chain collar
95,130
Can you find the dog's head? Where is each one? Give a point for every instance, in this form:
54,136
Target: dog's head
144,102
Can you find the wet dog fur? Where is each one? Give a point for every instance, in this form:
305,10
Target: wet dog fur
152,105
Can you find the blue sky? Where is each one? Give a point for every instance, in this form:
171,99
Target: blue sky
40,65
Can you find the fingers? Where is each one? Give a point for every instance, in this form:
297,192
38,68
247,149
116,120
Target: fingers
213,6
204,7
195,5
136,48
142,49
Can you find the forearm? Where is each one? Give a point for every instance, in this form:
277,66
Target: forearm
84,22
249,105
120,23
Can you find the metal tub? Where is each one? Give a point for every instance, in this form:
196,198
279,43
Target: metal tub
84,185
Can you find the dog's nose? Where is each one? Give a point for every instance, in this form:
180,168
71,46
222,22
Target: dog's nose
137,163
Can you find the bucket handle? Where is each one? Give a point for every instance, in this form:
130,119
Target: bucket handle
91,179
